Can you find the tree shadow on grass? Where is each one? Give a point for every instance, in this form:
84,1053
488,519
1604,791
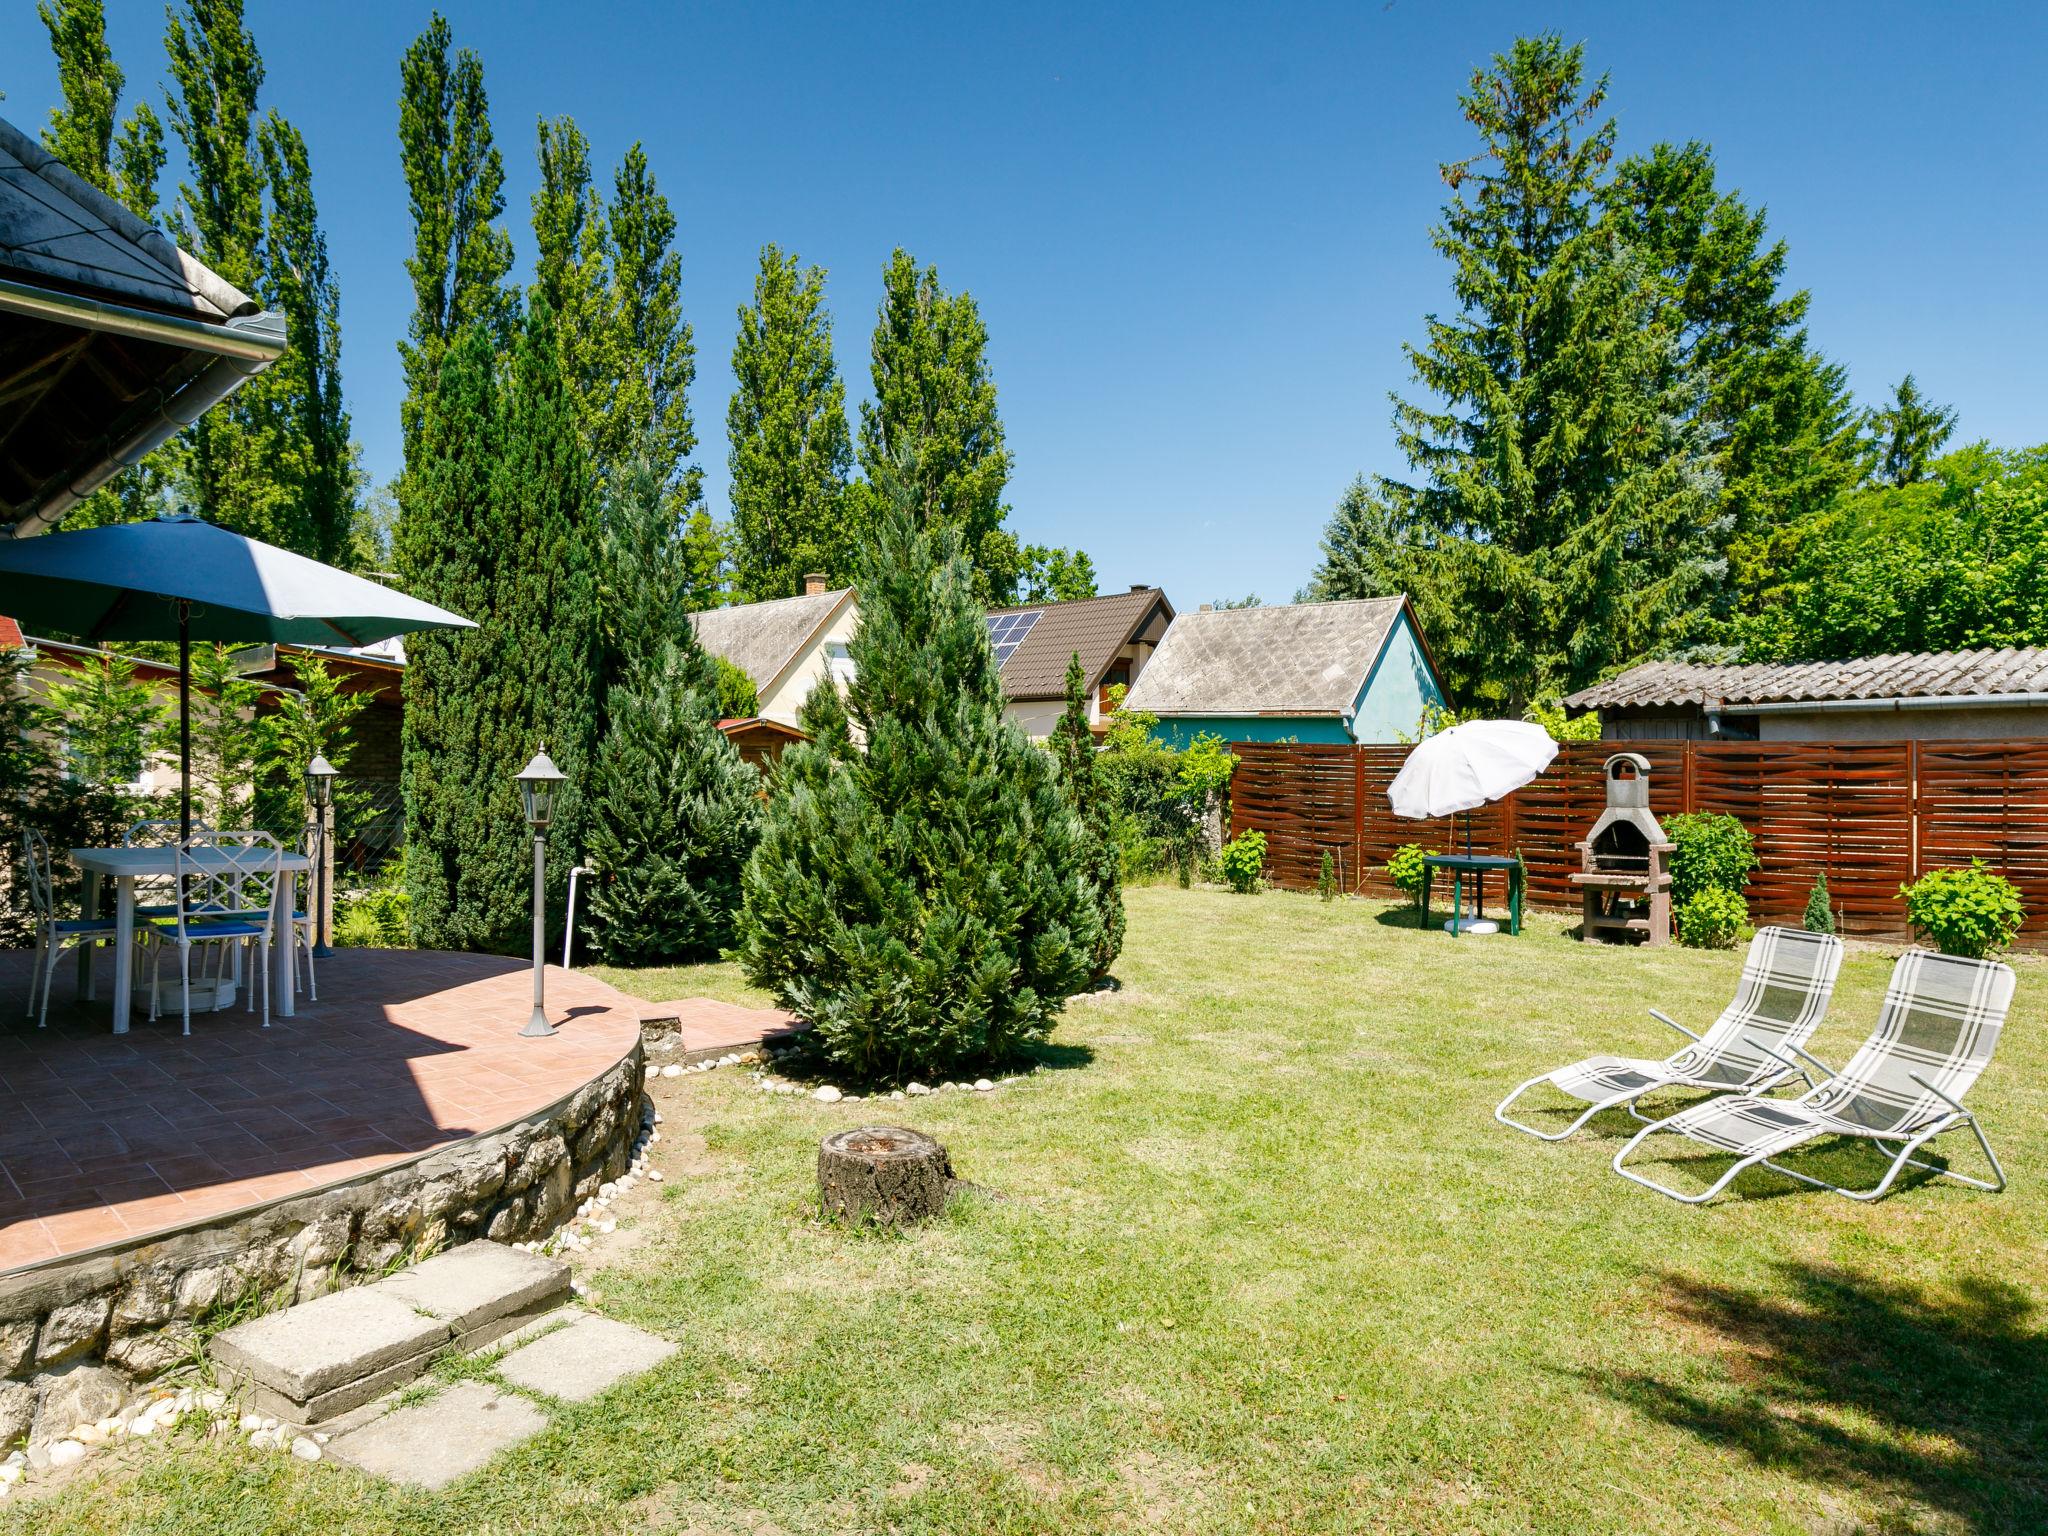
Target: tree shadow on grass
1933,1403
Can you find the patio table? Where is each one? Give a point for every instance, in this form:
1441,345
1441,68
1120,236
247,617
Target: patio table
125,866
1478,866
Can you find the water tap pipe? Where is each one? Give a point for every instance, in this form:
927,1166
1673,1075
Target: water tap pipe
569,931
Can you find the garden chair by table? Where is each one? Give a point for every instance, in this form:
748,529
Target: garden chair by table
53,935
1787,979
155,896
1903,1087
302,910
226,893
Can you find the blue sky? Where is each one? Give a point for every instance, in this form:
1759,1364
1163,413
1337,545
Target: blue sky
1198,233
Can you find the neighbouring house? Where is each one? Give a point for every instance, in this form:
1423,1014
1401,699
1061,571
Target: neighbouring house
1357,671
1114,636
785,644
112,340
1924,696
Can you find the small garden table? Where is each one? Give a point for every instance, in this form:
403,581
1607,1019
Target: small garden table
1478,866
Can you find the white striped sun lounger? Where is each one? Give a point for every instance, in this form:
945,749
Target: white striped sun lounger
1903,1087
1787,979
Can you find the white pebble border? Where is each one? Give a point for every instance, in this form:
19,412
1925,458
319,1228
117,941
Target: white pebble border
158,1412
828,1094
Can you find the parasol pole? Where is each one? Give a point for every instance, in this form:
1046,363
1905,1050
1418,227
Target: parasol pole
184,722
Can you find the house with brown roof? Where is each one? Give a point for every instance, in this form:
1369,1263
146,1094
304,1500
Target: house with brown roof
1913,696
1354,671
1115,637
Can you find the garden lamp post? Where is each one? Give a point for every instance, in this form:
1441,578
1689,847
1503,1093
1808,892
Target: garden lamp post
320,776
537,781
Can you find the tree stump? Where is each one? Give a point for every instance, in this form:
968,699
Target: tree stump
886,1175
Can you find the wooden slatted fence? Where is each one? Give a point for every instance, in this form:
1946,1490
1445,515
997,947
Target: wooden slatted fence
1870,815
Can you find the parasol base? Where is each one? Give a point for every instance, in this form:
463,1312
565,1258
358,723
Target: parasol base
1471,925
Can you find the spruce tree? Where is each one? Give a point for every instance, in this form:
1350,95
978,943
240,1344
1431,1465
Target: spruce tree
1562,487
675,810
790,448
1073,748
1906,434
933,421
920,893
1776,417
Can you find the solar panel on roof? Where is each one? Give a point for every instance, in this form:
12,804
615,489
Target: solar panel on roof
1006,631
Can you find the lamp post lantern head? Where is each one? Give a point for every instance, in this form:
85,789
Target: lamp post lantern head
537,781
320,776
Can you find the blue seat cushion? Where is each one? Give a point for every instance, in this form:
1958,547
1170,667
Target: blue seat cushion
210,928
75,925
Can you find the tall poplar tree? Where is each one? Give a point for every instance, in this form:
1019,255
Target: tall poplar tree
1562,518
273,460
455,181
790,447
126,165
933,420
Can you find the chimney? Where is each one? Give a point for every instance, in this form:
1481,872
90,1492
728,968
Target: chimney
814,583
1206,608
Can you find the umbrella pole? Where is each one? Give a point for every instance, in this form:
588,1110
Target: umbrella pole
184,722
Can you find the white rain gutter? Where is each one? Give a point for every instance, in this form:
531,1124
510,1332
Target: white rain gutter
241,348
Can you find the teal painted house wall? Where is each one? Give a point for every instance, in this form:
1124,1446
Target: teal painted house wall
1388,707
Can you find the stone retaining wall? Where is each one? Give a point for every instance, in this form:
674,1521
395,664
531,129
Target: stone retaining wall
115,1318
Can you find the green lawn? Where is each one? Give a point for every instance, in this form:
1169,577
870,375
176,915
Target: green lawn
1259,1259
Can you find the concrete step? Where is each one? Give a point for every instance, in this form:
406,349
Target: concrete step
312,1362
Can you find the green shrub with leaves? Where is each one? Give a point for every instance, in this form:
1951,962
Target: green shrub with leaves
1711,851
1405,869
1326,879
1152,824
1073,749
1972,912
377,915
738,699
1242,862
1820,912
921,890
1711,918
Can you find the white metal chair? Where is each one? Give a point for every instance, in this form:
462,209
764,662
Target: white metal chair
227,894
1787,979
302,910
1904,1086
53,934
155,895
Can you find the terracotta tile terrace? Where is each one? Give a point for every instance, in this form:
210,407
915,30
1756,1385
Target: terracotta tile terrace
108,1138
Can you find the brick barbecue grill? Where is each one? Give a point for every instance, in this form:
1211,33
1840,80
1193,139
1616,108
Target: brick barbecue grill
1624,878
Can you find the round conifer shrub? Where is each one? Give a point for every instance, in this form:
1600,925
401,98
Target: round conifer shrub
922,891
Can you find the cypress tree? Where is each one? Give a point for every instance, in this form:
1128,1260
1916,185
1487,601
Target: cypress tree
675,810
790,449
922,897
1073,748
933,421
445,549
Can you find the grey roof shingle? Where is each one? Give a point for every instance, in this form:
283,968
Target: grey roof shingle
1094,627
55,225
763,638
1924,674
1294,659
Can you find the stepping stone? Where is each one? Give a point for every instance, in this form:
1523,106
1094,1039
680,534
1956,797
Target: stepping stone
450,1435
481,1290
312,1361
578,1362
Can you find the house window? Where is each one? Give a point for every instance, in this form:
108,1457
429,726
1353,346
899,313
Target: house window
838,663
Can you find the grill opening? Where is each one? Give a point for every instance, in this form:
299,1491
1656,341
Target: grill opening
1621,846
